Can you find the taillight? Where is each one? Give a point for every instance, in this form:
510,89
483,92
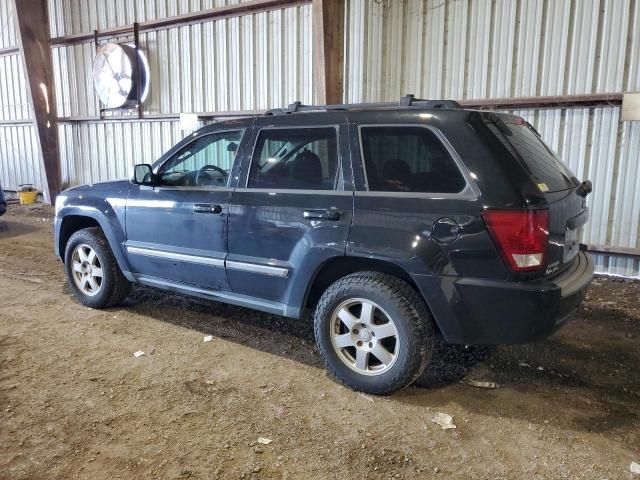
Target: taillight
520,235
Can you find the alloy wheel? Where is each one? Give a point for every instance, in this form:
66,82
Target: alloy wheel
87,270
364,336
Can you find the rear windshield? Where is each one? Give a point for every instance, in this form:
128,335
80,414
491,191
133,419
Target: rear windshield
524,143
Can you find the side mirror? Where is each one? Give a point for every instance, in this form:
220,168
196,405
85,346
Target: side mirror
143,175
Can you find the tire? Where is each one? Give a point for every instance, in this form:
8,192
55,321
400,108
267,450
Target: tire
112,287
353,354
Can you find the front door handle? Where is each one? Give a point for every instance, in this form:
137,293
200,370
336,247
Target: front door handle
207,208
323,214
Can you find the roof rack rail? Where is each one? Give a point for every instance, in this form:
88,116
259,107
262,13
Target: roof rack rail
406,101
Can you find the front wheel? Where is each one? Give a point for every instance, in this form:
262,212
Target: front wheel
374,332
92,271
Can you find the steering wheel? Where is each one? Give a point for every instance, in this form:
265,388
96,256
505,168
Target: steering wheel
203,171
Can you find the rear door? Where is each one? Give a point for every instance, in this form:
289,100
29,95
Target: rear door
293,208
415,205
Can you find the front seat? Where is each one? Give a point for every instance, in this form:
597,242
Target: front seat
306,170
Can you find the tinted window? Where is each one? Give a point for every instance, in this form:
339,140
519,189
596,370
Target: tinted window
204,162
302,158
522,142
408,159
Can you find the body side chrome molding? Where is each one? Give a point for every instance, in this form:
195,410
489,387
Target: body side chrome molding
213,262
255,268
182,257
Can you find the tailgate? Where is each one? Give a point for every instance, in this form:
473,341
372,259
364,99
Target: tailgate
567,215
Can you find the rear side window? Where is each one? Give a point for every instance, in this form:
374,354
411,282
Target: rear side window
523,143
297,158
408,159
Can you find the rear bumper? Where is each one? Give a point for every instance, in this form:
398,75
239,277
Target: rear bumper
478,311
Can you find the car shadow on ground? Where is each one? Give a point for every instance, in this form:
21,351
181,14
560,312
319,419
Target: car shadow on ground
595,386
10,229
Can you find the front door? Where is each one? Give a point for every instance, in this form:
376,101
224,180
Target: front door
176,231
292,209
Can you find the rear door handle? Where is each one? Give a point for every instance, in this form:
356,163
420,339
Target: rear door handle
323,214
207,208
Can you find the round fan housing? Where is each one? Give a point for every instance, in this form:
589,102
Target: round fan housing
115,75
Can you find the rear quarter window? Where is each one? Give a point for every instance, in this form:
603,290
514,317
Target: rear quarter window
408,159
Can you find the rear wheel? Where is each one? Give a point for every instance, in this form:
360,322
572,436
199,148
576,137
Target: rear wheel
374,332
92,271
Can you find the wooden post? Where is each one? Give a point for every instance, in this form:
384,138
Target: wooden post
328,50
32,23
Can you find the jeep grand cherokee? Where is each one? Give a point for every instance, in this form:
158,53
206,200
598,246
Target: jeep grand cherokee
396,225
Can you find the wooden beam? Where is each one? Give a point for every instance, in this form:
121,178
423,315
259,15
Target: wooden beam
564,101
33,35
328,51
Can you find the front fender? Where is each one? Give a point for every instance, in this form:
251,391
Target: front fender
107,212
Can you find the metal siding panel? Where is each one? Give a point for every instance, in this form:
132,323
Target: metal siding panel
19,152
8,37
632,65
20,162
207,79
502,45
581,60
525,68
431,48
605,127
554,45
455,50
626,209
375,39
609,75
515,48
478,54
68,17
14,104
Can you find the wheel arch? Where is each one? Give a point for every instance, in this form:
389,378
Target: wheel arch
73,221
70,225
338,267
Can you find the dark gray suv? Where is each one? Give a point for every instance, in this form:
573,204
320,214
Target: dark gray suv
397,226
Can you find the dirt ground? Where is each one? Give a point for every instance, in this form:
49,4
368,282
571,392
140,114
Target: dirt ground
76,403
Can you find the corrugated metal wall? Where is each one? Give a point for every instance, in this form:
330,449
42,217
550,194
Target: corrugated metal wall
471,49
7,25
19,154
490,48
251,62
69,17
100,151
433,48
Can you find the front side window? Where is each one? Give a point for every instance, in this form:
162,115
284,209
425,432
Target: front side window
297,158
408,159
205,162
